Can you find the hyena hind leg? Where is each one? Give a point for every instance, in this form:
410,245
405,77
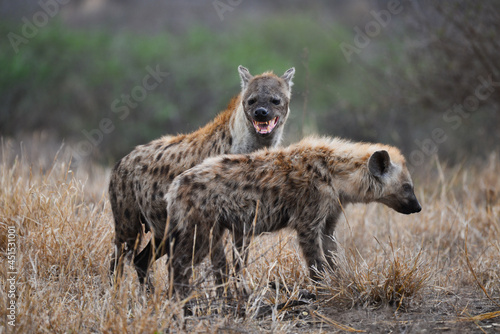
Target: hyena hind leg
240,253
221,265
188,243
128,236
145,259
311,244
329,248
329,243
121,253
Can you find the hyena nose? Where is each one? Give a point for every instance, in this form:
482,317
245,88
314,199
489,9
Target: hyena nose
261,112
417,207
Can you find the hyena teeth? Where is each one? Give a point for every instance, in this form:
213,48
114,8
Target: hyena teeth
265,127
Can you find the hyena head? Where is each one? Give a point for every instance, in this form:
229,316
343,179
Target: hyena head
265,100
396,189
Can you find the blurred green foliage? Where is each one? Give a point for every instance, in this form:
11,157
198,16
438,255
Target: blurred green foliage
65,81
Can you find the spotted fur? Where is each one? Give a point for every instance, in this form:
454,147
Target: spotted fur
302,187
141,179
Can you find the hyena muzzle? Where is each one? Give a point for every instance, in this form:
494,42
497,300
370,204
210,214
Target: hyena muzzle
302,187
253,120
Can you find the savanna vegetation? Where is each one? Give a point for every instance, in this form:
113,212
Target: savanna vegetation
438,270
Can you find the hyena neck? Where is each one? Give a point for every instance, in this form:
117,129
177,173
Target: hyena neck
245,139
218,133
352,181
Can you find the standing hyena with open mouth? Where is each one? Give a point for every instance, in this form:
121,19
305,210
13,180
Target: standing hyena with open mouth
254,119
302,187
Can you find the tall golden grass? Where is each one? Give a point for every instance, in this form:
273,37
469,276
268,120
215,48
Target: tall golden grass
441,266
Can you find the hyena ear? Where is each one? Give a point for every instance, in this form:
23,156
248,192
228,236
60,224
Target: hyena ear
245,76
288,76
379,163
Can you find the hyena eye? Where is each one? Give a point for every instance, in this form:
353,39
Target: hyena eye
251,101
275,101
407,187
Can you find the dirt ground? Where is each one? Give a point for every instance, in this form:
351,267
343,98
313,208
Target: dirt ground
446,313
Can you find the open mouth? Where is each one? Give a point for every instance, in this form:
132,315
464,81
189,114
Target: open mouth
265,127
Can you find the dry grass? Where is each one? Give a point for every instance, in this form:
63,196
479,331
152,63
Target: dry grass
434,270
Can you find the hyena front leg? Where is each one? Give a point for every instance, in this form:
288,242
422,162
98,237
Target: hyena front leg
310,240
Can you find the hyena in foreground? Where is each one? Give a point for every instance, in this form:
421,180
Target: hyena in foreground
253,120
302,187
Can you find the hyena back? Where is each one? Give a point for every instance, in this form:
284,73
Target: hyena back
254,119
302,187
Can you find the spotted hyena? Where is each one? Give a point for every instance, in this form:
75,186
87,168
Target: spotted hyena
253,120
302,187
